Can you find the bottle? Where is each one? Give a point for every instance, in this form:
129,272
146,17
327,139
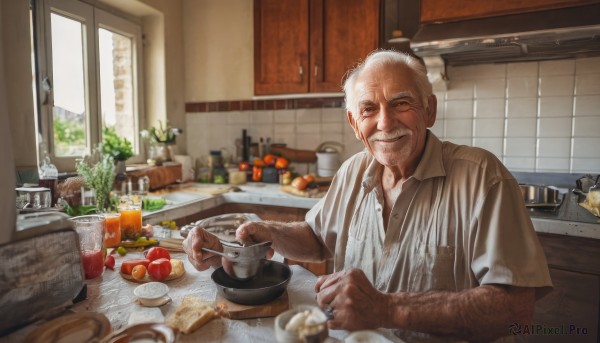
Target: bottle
48,176
215,163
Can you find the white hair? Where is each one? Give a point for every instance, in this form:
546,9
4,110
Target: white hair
387,58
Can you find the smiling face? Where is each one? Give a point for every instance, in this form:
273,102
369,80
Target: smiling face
391,119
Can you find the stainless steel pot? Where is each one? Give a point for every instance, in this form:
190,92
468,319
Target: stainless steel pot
268,285
534,195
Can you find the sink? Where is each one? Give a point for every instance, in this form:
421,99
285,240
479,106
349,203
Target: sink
540,196
181,197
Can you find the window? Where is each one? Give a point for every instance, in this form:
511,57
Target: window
88,76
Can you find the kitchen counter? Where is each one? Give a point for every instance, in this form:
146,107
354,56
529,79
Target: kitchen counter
569,219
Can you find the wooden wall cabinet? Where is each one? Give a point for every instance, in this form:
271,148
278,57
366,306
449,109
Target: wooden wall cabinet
306,46
451,10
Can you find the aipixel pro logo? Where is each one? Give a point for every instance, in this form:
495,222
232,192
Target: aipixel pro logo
547,330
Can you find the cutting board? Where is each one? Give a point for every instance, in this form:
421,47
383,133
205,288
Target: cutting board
308,193
238,311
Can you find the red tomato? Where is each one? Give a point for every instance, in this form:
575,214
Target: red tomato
159,269
138,272
127,266
244,166
110,262
281,163
156,253
270,159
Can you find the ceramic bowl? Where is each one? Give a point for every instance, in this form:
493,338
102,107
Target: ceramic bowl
316,333
152,294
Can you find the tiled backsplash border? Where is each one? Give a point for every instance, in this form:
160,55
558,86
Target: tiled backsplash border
270,104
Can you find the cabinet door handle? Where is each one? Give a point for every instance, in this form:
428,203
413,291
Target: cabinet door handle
300,70
316,70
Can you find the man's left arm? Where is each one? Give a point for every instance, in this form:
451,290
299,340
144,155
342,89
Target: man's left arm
483,313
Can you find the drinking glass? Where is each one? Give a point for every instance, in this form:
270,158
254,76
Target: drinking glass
90,229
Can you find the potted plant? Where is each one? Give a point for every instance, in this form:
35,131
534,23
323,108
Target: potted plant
98,175
163,136
118,147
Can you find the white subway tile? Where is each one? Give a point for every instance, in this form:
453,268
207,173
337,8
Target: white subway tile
331,128
459,128
521,127
545,164
459,109
215,118
493,145
460,89
259,131
483,71
589,65
237,117
557,85
556,106
308,115
587,148
587,105
554,147
438,128
334,115
284,129
522,87
490,88
332,137
489,108
522,107
557,67
261,117
284,116
520,147
522,69
554,127
488,127
522,164
304,128
586,127
586,165
587,84
288,139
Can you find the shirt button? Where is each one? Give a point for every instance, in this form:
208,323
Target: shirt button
378,209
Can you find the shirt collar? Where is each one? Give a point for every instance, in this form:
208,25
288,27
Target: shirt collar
431,164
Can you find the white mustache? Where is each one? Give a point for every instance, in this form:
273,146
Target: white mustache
382,136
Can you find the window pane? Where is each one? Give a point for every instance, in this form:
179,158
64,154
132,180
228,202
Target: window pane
117,83
69,111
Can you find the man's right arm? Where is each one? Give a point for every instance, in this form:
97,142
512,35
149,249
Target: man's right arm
295,240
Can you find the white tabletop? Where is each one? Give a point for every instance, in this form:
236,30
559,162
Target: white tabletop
113,296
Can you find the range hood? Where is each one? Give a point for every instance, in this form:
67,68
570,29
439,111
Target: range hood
543,35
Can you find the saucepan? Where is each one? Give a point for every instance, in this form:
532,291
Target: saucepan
269,284
242,262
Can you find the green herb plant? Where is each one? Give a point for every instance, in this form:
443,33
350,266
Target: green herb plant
119,148
99,177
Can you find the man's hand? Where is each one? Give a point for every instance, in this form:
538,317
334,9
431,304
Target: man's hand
252,233
355,303
197,239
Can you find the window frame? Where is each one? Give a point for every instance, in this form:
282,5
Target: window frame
93,18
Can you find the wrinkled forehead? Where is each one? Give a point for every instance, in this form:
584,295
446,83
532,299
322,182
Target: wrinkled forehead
384,80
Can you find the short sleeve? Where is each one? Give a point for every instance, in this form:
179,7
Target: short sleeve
506,248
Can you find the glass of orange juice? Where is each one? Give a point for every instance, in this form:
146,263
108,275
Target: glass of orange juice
131,221
112,230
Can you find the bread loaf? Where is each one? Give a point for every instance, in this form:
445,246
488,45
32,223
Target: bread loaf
193,313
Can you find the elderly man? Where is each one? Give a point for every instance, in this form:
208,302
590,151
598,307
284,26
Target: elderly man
428,238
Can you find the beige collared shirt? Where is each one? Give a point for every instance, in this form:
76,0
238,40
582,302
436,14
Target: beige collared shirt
459,222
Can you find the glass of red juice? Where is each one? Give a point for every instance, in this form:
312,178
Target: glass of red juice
91,236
